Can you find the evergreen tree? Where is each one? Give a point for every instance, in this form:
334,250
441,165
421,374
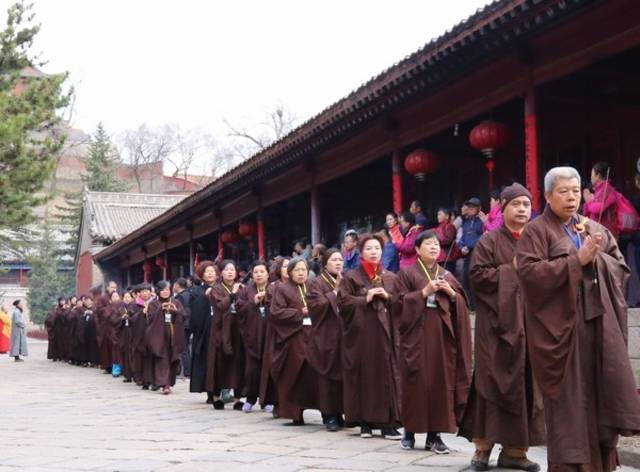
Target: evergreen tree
68,219
29,123
102,164
48,278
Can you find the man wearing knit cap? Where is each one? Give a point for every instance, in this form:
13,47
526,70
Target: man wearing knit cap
504,406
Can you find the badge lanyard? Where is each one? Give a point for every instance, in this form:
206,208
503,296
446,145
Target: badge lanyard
306,321
330,280
431,299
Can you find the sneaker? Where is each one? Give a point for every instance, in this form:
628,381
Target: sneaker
332,424
435,444
408,441
365,432
218,405
520,463
391,433
480,460
268,409
238,405
247,407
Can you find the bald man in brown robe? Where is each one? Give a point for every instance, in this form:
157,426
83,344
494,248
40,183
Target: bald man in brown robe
505,404
573,277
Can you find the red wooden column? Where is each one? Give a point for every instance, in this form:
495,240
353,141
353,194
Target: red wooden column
260,221
165,266
531,141
396,169
315,211
147,269
220,254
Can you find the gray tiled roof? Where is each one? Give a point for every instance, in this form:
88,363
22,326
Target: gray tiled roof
113,215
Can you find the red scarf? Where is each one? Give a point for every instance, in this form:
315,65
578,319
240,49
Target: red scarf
515,235
372,269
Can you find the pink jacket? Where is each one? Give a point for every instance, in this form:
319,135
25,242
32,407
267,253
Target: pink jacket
605,206
407,247
494,219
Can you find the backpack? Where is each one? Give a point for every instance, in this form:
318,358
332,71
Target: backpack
627,218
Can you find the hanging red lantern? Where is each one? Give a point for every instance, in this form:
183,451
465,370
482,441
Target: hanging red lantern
147,267
247,229
160,261
421,162
489,136
229,236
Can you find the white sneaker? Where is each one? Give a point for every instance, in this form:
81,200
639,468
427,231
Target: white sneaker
247,407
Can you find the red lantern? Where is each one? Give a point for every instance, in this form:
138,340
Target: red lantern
247,229
160,261
229,236
489,136
147,267
421,162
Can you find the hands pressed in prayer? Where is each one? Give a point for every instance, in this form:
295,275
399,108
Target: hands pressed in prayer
590,248
444,286
259,297
430,288
377,292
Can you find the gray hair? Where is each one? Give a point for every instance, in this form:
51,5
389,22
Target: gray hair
559,173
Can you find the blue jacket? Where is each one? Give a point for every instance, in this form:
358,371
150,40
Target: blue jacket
390,258
472,229
351,260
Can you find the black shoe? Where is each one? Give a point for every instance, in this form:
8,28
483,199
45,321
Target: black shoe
238,405
218,405
434,443
408,441
391,433
365,431
145,387
127,381
480,460
332,424
341,421
155,388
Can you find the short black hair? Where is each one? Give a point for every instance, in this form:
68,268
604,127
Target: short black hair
602,168
182,282
417,204
428,234
409,217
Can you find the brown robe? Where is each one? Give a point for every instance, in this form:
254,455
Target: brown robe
50,325
121,329
165,340
370,349
268,391
84,336
505,403
324,349
225,353
67,329
294,378
142,360
253,328
577,341
103,332
435,356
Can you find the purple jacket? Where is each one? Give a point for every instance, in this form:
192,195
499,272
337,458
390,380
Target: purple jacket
407,248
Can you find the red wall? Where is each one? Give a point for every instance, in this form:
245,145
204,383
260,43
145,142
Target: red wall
84,273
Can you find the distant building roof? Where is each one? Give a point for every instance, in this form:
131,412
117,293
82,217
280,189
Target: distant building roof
113,215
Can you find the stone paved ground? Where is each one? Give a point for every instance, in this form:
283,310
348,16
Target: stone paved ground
55,417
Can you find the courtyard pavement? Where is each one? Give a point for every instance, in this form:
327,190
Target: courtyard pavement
55,417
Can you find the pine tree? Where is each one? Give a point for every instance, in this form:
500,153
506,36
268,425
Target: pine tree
102,164
68,220
49,277
29,123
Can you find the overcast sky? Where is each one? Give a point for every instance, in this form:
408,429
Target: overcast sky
201,62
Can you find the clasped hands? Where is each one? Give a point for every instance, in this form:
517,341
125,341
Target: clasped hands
438,285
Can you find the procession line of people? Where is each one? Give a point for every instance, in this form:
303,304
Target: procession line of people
376,350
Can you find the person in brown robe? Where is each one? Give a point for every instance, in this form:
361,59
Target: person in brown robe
252,306
142,360
268,390
225,353
324,351
119,318
65,339
84,333
291,323
164,336
52,323
368,303
435,347
573,276
70,328
200,325
505,404
103,328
